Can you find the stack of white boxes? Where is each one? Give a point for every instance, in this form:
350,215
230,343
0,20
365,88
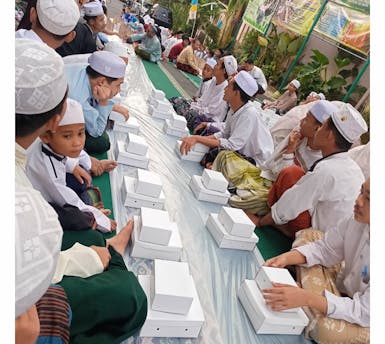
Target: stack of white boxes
232,228
211,187
120,123
265,320
174,309
195,154
143,191
159,107
176,125
155,236
133,152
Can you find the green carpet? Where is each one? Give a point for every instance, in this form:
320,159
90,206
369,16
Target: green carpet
160,80
272,242
196,80
103,183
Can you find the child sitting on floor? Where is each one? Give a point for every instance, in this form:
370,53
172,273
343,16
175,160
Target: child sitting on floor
57,153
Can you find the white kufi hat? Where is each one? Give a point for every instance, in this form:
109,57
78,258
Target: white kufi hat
107,64
73,114
322,110
247,83
231,65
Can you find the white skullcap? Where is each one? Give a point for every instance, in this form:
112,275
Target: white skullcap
58,16
93,9
296,83
349,123
313,94
321,96
322,110
73,114
107,64
211,62
231,64
40,81
247,83
116,48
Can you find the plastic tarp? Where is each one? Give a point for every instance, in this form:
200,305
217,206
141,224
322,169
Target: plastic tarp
217,272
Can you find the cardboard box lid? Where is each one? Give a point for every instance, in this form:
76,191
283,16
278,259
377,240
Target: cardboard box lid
278,275
190,153
129,184
136,139
168,125
128,155
214,218
175,243
149,177
257,302
173,279
236,215
195,314
214,175
198,181
154,218
176,118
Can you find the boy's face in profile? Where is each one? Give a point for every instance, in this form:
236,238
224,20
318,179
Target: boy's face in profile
68,140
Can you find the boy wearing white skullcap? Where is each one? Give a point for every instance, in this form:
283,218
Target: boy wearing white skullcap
287,100
244,131
325,191
207,75
57,153
53,22
93,86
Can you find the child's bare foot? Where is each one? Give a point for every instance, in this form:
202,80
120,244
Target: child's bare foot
120,241
209,165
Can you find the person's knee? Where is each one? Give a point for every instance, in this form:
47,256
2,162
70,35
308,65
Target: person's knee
292,174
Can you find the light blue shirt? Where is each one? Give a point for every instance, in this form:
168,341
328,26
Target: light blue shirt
150,45
79,88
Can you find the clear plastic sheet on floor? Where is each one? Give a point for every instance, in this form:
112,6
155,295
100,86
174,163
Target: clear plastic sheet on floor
217,272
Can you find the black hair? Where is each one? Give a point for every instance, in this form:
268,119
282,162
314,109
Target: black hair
186,37
340,141
221,50
178,32
104,9
210,52
55,36
224,68
93,74
28,124
244,96
260,89
88,18
249,61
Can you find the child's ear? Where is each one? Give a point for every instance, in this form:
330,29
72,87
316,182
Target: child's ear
46,137
53,123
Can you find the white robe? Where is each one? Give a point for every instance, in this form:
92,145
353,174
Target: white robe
245,132
48,175
258,75
328,193
27,34
349,242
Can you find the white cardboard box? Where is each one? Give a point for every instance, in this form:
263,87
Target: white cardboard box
125,158
191,156
158,113
178,122
236,222
203,194
173,292
200,148
162,105
141,249
225,240
214,180
158,94
136,144
148,183
155,226
263,319
267,275
169,130
129,126
117,99
135,200
162,324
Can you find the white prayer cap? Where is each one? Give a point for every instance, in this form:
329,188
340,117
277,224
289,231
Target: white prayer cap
211,62
93,9
107,64
40,81
231,64
349,123
116,48
321,96
73,114
295,83
247,83
313,94
58,16
322,110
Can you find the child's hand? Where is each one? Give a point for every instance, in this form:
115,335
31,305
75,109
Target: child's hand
108,165
96,167
80,174
113,225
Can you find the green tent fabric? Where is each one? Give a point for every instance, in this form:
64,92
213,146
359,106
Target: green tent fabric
272,242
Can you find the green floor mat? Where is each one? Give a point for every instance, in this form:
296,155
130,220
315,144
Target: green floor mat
272,242
160,80
103,183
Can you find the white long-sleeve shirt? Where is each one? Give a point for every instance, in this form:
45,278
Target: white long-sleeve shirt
203,87
48,175
211,103
349,242
258,75
328,193
245,132
361,155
